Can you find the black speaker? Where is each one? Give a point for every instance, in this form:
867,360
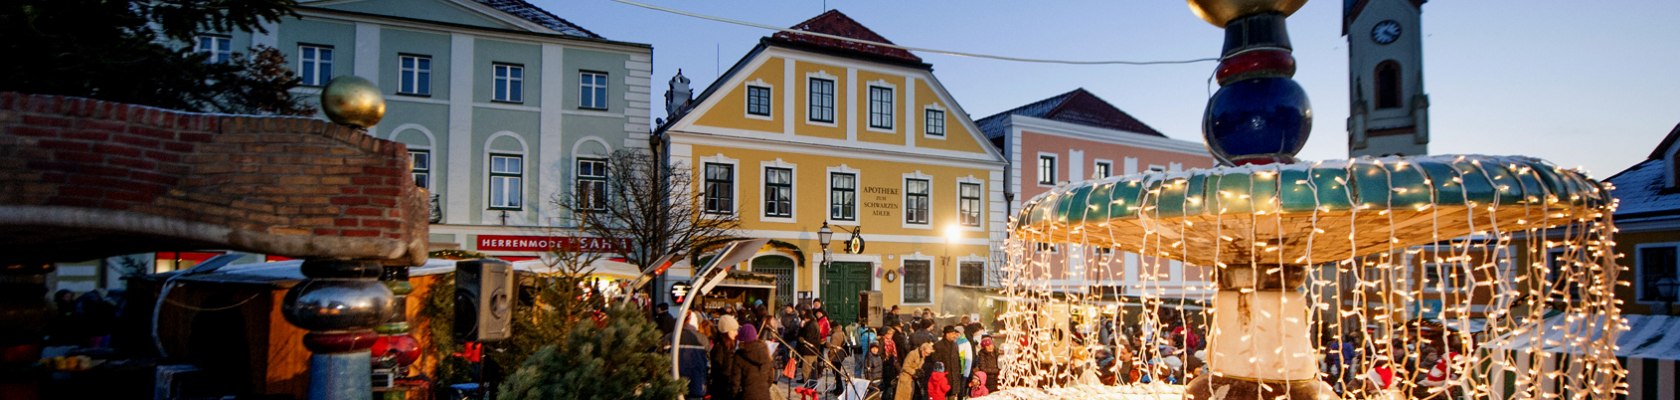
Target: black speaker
483,300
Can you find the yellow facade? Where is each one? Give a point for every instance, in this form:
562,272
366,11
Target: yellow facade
887,165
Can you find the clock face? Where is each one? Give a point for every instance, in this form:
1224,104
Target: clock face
1385,32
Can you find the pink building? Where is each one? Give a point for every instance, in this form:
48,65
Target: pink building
1077,136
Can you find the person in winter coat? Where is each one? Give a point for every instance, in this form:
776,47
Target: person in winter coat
945,352
986,361
755,370
872,363
692,352
977,386
890,361
939,384
723,380
906,385
810,346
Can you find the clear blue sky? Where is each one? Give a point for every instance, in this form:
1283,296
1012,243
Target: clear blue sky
1594,84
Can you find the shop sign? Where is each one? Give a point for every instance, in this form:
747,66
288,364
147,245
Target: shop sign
880,200
546,243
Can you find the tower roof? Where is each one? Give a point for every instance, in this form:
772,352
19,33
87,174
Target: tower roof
1077,107
836,23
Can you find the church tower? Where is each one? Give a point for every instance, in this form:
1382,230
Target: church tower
1389,110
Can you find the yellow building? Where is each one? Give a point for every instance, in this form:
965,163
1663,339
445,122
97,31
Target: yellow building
806,130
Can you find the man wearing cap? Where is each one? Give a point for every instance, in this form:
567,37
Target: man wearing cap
945,351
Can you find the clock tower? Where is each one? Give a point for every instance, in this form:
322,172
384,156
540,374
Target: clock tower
1389,111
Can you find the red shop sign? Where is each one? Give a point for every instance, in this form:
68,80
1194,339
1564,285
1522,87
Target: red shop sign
546,243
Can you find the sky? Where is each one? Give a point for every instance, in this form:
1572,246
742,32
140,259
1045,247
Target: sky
1582,84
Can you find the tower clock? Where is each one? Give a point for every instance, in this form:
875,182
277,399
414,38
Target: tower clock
1388,109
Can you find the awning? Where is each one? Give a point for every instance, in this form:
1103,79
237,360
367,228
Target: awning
605,268
1649,349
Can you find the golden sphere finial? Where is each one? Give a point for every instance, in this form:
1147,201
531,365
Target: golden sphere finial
1221,12
351,100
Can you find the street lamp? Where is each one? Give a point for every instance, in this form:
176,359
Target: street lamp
824,237
1665,289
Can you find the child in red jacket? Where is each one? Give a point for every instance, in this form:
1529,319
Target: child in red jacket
938,386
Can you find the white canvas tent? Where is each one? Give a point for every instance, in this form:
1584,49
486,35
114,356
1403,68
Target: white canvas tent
1649,349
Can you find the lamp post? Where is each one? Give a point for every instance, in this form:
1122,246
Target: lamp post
824,237
1666,288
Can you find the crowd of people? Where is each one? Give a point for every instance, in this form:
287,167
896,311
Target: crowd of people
1419,366
738,352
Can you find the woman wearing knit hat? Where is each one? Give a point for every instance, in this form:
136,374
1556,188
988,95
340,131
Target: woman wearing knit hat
755,370
721,383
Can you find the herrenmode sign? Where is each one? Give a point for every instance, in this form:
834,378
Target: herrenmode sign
546,243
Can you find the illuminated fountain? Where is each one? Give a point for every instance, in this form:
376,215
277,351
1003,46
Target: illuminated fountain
1300,252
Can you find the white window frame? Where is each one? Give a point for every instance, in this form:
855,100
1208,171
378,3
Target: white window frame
980,203
502,75
904,279
517,177
706,189
604,180
219,47
320,67
833,100
1157,168
735,191
857,189
769,100
889,110
793,190
904,200
414,170
416,80
1639,269
1102,165
944,122
598,91
1055,164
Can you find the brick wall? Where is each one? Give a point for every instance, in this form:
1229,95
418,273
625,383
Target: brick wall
82,178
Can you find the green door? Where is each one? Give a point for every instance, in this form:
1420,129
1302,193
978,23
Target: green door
782,267
841,284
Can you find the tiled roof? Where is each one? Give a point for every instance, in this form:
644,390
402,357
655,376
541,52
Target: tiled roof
1077,107
1640,188
539,16
836,23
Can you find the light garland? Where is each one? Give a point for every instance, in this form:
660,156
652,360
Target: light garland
1523,247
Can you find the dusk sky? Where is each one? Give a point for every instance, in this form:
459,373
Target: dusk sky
1594,84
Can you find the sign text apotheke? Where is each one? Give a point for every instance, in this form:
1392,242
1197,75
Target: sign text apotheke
546,243
883,201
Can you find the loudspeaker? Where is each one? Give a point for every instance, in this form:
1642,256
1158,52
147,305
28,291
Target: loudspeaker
871,308
483,300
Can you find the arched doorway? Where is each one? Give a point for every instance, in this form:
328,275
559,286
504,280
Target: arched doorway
782,267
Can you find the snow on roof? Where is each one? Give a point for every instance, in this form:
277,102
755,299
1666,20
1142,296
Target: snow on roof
539,16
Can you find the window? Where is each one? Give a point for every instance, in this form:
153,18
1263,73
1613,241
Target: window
935,123
420,165
842,196
1157,168
510,83
1655,263
592,183
1562,285
1388,84
918,283
778,192
315,64
414,75
1103,169
1046,169
506,181
916,201
1449,277
972,273
758,100
592,90
880,107
968,203
720,188
218,47
822,100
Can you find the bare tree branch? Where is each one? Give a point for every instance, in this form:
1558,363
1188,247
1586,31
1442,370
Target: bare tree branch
655,209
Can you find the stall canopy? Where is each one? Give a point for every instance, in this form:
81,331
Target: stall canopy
1649,349
608,268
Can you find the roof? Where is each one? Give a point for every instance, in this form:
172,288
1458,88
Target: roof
1077,107
1641,189
835,23
539,16
1654,337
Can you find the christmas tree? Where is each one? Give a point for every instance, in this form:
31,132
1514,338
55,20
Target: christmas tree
611,358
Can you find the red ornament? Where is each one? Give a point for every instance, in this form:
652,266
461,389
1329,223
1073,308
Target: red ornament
403,347
1255,64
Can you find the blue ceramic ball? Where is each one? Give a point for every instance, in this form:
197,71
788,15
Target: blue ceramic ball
1257,121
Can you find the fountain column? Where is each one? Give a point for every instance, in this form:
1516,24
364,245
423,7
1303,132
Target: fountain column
1259,346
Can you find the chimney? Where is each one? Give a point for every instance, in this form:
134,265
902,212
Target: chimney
678,96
